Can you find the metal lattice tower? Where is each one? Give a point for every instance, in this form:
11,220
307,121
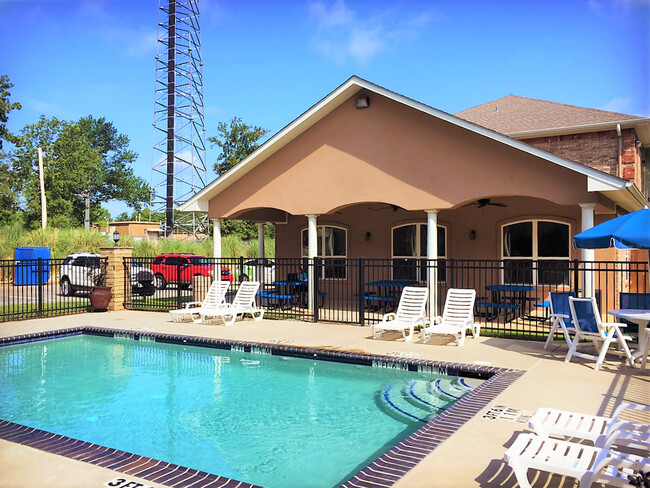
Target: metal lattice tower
178,168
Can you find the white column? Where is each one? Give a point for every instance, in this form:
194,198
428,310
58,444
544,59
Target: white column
588,254
432,254
260,240
216,246
312,253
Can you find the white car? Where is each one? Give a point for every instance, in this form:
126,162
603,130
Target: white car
80,271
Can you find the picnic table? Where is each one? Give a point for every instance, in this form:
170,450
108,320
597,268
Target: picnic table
387,295
511,300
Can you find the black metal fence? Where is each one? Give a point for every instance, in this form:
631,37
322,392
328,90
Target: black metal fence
32,288
512,297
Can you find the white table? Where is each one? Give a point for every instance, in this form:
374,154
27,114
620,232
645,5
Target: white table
638,316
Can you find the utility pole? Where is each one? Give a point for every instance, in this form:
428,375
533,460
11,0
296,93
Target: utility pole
42,184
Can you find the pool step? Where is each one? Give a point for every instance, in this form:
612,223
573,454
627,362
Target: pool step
420,400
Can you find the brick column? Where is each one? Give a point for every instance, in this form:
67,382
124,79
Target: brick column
115,273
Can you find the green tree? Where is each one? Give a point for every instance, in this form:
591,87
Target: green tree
5,107
84,159
8,183
236,141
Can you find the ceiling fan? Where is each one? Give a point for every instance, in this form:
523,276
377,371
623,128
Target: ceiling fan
482,202
395,208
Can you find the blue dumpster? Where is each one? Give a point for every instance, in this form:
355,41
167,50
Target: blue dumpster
26,265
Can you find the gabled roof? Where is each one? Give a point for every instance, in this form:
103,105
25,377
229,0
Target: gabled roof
621,191
513,114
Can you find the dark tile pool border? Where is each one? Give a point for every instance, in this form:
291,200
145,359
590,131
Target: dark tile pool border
381,473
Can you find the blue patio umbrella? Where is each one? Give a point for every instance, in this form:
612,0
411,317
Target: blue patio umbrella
627,231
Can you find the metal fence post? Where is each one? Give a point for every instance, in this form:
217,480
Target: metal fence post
314,299
576,278
452,270
179,286
362,318
40,287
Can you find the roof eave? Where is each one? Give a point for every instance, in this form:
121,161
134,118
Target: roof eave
642,127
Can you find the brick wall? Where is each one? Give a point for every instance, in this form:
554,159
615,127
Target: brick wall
115,273
598,150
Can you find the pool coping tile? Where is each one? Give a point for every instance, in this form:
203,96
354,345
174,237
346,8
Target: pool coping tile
380,473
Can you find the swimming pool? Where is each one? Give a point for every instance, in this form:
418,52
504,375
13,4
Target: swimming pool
236,410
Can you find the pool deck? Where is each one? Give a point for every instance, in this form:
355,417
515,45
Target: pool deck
470,457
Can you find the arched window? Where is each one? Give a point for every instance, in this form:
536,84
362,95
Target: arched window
332,245
409,252
542,241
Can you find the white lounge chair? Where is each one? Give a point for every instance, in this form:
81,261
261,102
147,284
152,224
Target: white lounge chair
243,303
214,298
587,324
588,464
410,312
457,317
549,421
560,316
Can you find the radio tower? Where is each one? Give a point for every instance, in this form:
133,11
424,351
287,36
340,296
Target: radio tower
178,167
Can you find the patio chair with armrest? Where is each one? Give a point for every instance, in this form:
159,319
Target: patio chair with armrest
587,323
638,301
457,317
214,298
589,464
596,429
410,312
560,316
243,303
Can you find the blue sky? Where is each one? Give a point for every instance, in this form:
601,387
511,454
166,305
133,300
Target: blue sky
269,61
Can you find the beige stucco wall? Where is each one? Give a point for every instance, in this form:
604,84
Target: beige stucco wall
392,153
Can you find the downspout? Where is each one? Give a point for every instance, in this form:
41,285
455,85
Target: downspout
619,165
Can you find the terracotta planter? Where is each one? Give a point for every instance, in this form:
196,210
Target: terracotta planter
100,297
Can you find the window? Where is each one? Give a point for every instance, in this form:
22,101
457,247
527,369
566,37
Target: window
543,241
409,252
332,246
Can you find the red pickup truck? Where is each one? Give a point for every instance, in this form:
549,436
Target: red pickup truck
165,268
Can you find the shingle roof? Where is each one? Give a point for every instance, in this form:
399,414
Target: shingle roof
512,114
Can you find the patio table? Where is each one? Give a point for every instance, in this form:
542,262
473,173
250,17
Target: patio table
638,316
387,295
508,298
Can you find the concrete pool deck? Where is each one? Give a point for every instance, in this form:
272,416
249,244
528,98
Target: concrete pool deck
470,457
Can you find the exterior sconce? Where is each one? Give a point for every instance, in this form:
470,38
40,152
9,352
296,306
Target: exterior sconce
472,235
116,237
363,102
368,236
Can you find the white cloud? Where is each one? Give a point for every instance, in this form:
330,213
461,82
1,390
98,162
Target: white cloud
133,41
618,104
342,35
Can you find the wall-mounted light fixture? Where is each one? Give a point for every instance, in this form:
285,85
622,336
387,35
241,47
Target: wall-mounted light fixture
472,235
368,236
362,102
116,237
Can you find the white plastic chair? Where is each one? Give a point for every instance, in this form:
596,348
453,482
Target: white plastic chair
410,312
593,428
587,323
589,464
214,298
457,317
243,303
560,316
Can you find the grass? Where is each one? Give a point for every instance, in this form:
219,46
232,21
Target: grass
65,241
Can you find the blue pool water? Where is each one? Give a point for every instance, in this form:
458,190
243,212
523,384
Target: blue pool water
269,420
